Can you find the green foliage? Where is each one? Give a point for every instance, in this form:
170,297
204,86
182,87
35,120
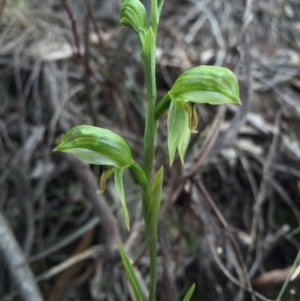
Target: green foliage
292,271
133,280
189,293
154,206
159,6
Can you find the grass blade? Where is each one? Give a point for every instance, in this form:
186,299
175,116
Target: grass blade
133,280
189,293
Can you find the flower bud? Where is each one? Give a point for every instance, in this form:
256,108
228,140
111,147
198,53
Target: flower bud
133,14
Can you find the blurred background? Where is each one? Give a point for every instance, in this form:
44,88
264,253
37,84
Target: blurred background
230,216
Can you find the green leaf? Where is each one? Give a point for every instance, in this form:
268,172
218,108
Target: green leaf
133,14
121,193
206,84
178,130
189,293
96,146
133,280
154,206
148,50
148,58
159,6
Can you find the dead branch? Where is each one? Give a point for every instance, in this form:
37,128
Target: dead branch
274,277
16,264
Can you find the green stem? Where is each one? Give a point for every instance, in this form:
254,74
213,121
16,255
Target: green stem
149,152
150,126
149,59
162,106
154,16
152,243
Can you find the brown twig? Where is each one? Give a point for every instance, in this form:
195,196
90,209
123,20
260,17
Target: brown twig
87,74
169,290
262,191
74,25
78,54
16,264
228,229
24,191
197,211
96,29
203,154
64,281
208,143
273,277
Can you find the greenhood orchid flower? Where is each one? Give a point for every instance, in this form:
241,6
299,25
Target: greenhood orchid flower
133,14
103,147
200,85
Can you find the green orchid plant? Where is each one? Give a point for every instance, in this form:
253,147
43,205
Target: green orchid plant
200,85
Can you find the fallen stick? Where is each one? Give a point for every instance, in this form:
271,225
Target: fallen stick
16,263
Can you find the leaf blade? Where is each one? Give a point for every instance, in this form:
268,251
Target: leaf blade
189,293
132,278
121,193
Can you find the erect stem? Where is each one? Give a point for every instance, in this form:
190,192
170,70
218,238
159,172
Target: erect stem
149,151
152,242
154,16
148,56
149,60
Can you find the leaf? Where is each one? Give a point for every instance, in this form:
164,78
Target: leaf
159,6
189,293
121,193
96,146
133,280
206,84
148,51
154,206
